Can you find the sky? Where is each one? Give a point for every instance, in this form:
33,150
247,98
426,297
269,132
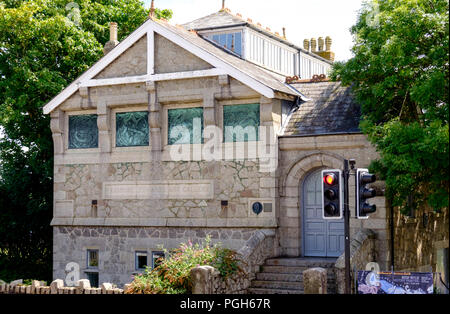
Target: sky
302,18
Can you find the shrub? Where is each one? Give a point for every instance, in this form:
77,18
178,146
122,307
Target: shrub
172,275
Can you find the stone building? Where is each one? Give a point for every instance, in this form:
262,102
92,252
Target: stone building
218,127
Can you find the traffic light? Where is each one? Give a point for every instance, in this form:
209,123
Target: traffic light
332,205
363,178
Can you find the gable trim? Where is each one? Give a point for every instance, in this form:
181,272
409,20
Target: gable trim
153,77
147,29
97,67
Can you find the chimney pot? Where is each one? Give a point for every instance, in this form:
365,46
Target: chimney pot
152,10
284,32
321,43
113,42
328,42
313,45
306,44
113,31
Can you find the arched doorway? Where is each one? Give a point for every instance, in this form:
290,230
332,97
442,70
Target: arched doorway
321,238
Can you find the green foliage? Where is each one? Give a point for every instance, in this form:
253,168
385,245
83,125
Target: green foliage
400,76
172,275
44,46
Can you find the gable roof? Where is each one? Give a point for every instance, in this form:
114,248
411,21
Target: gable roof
215,20
332,109
263,81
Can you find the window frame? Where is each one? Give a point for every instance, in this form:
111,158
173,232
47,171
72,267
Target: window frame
231,30
153,255
222,120
88,258
165,117
113,129
136,260
66,135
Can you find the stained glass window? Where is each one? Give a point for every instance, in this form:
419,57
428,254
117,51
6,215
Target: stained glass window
185,126
241,123
132,129
83,131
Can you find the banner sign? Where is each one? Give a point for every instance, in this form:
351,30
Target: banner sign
370,282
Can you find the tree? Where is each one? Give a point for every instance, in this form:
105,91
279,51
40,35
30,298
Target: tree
44,46
400,74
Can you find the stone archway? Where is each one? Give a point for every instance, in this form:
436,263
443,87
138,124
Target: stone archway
290,197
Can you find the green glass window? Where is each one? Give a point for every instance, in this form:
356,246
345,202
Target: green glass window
185,126
241,123
132,129
83,131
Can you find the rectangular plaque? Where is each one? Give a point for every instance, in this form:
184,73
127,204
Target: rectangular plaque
63,209
175,189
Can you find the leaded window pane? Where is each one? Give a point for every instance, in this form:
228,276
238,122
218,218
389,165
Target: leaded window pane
132,129
241,123
83,131
185,126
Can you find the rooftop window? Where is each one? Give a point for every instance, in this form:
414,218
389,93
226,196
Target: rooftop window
230,41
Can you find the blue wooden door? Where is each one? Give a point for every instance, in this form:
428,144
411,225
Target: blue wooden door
321,237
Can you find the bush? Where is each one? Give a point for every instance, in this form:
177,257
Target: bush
172,275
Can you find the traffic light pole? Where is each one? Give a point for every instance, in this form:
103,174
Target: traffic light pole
346,175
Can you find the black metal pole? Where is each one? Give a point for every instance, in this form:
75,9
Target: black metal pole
347,229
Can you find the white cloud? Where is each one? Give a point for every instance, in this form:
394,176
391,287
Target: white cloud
302,18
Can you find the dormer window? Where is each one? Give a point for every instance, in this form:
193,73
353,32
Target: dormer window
231,41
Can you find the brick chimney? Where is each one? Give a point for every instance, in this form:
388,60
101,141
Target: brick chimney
327,53
113,42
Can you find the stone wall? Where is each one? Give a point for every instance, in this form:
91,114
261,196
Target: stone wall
261,246
418,239
362,252
57,287
117,246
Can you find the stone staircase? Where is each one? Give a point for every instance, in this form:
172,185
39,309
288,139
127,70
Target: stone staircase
284,275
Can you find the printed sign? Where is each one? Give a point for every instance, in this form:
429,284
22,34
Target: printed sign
394,283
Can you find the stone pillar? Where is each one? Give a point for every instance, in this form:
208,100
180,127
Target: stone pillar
212,150
315,281
268,140
201,277
154,117
104,127
85,99
57,127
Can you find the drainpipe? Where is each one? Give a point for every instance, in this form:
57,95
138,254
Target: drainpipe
392,237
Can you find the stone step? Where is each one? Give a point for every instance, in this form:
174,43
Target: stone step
279,277
267,284
288,269
302,262
275,276
274,291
